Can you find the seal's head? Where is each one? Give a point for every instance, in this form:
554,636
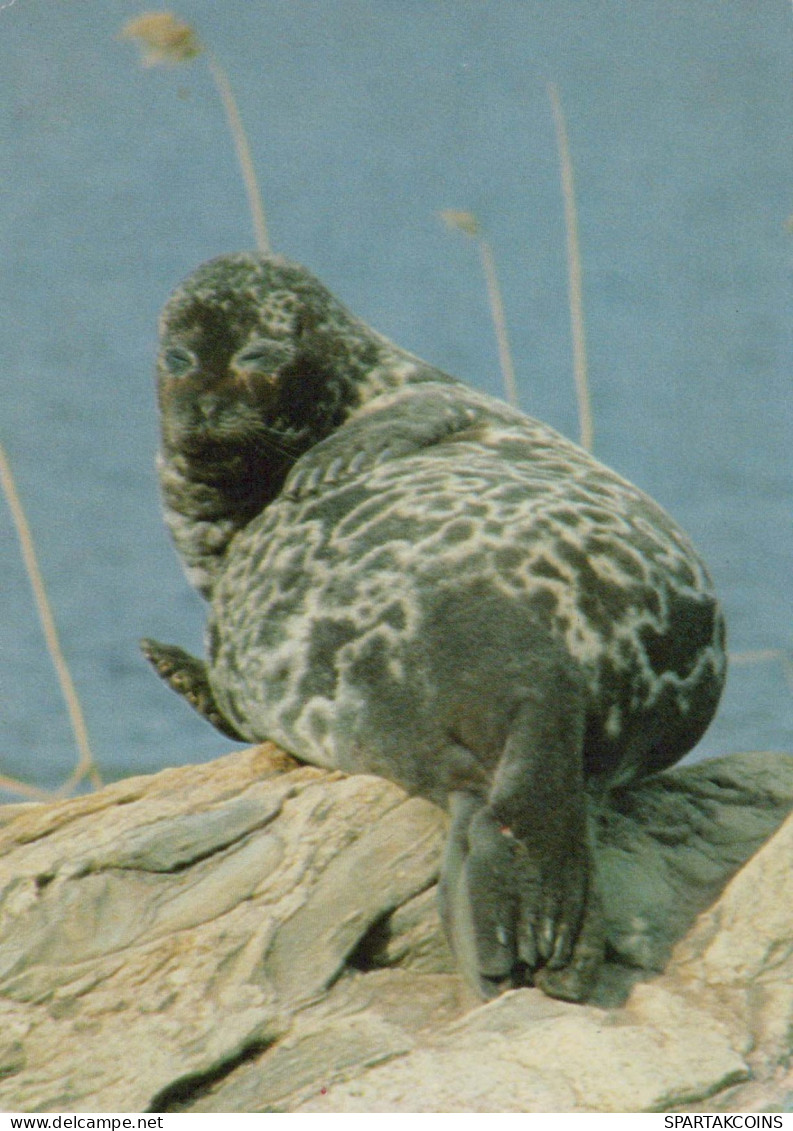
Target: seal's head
258,362
256,354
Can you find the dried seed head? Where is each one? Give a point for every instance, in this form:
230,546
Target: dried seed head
163,38
463,221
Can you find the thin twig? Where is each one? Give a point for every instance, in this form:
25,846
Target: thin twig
467,223
574,274
85,765
13,785
499,321
243,152
164,40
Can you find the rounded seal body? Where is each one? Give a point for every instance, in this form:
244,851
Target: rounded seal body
411,579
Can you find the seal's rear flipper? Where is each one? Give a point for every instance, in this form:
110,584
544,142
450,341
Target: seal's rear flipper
187,675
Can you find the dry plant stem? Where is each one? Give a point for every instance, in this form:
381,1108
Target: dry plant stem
499,321
13,785
573,274
85,765
243,153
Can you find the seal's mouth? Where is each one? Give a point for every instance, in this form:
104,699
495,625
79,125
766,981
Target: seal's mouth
222,442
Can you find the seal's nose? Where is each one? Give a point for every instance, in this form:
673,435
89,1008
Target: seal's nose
208,409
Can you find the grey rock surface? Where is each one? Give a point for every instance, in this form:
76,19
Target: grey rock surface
256,935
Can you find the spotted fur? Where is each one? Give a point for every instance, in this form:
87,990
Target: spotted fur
410,578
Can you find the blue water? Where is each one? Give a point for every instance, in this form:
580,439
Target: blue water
366,118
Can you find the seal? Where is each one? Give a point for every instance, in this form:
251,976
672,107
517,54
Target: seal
411,579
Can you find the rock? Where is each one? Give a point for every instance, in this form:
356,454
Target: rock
667,846
256,935
740,954
517,1054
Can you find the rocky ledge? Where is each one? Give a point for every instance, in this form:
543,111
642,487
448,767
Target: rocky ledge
255,935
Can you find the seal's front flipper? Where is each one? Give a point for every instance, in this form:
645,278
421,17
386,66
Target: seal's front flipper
477,896
508,924
187,675
576,979
539,802
518,892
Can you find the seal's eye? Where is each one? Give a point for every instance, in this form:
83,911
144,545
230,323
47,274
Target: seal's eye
264,355
178,361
